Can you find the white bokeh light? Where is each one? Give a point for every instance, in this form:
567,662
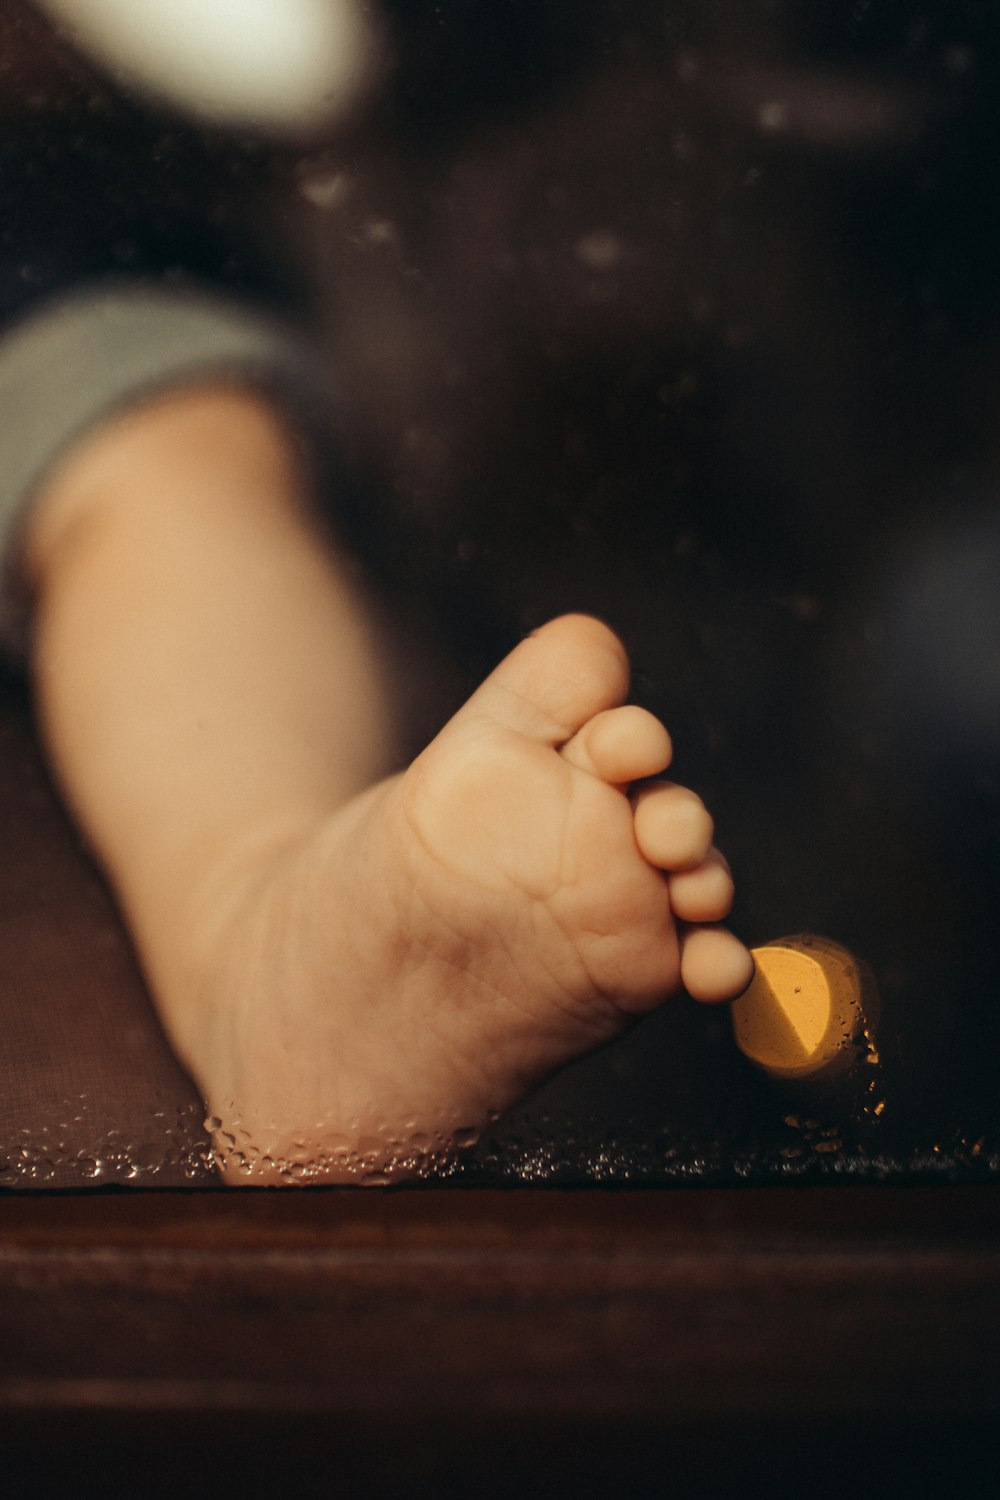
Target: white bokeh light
277,66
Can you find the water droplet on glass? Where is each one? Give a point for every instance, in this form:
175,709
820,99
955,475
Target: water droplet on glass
772,116
601,250
959,60
325,188
380,232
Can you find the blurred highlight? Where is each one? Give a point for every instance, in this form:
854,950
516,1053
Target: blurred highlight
810,1001
277,67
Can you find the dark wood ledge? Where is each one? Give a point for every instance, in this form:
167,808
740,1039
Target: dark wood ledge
413,1332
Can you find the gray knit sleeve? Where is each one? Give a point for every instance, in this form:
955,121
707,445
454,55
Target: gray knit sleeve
78,358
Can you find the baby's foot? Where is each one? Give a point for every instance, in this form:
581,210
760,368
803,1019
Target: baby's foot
455,934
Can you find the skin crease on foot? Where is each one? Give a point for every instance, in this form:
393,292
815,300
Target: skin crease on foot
455,934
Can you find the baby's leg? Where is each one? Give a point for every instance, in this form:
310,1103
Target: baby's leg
206,675
350,975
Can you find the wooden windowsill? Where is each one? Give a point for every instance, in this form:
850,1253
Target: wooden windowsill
425,1326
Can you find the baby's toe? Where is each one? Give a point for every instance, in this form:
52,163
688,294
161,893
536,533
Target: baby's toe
715,965
673,827
620,745
704,894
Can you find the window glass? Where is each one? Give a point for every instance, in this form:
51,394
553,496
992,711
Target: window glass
684,315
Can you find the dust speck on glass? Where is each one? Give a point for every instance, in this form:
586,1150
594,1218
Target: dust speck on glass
685,315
